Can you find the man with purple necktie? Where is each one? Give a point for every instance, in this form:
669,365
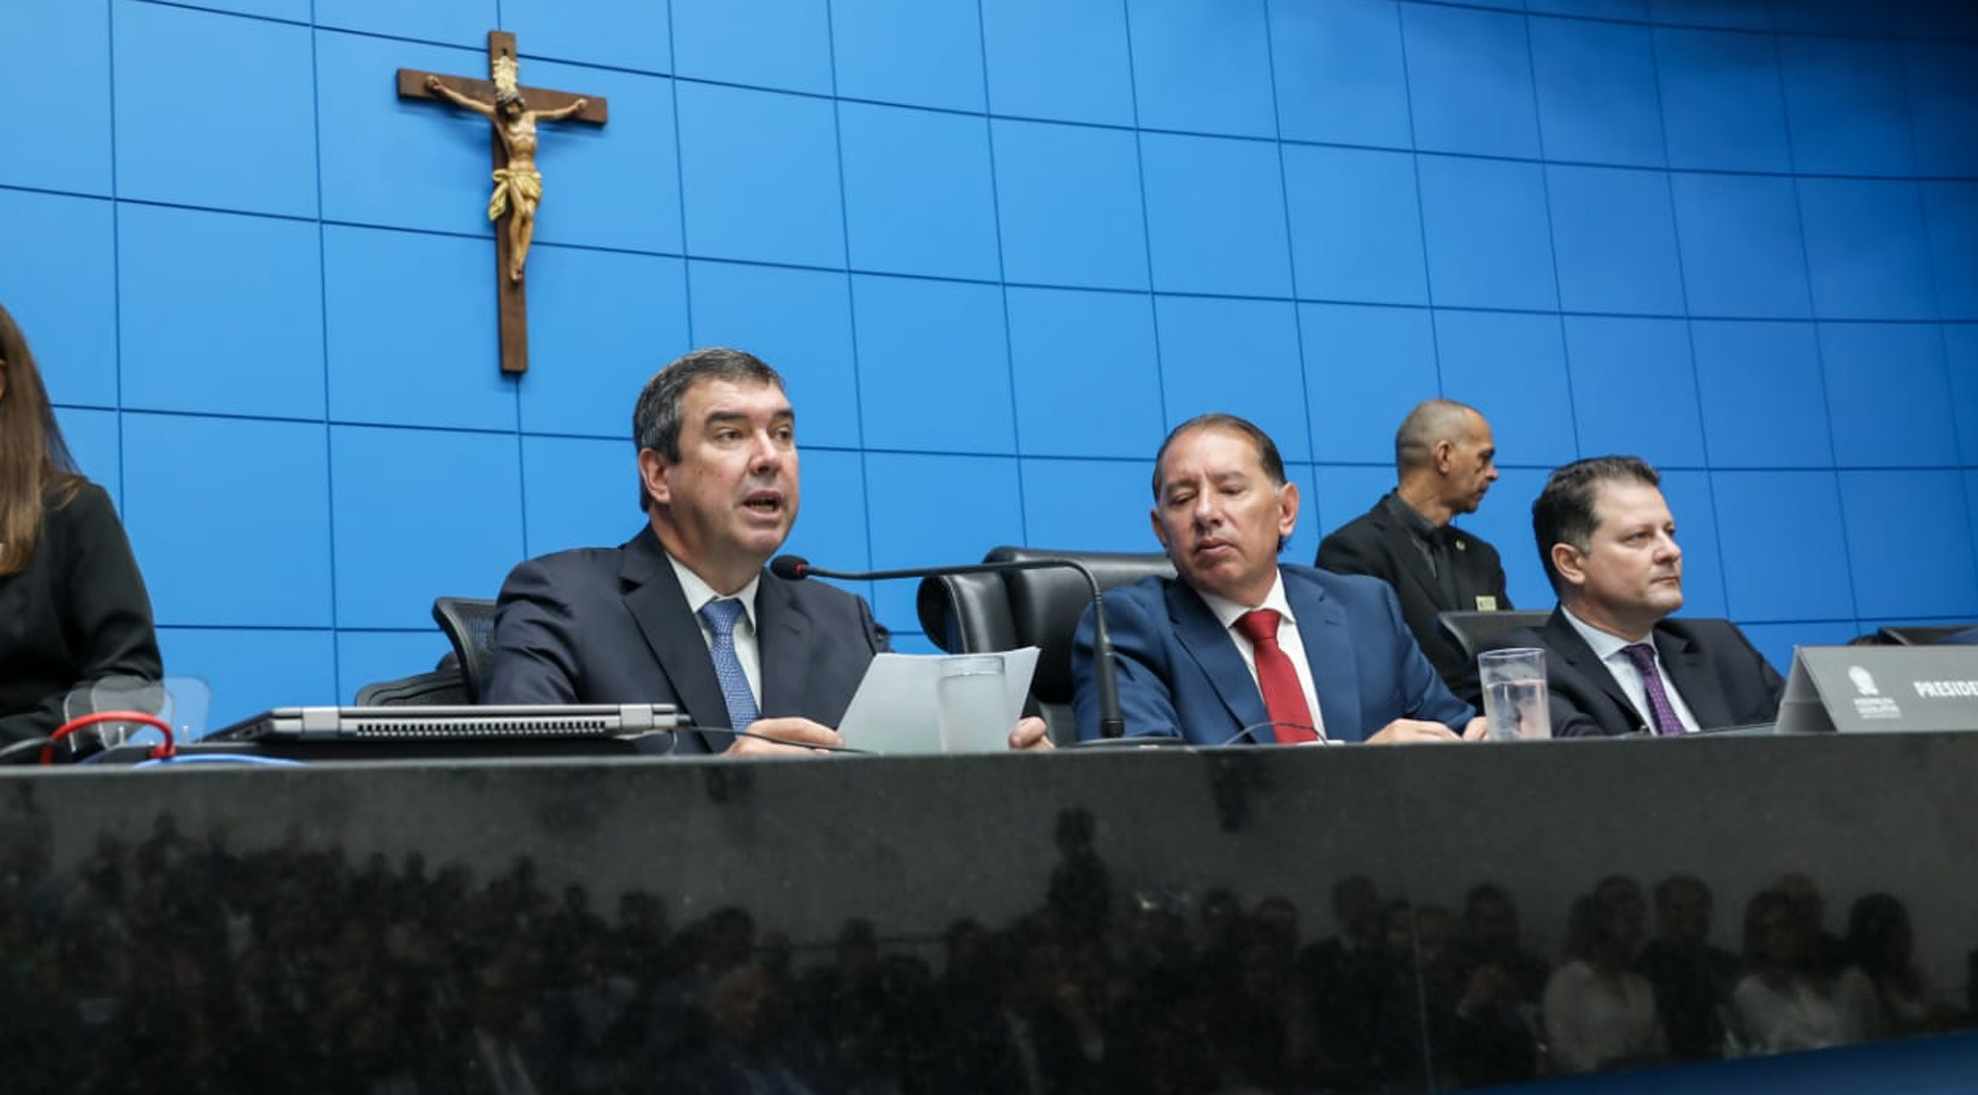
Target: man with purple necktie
1617,662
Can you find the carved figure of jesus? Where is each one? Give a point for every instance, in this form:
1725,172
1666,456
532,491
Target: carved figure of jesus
518,187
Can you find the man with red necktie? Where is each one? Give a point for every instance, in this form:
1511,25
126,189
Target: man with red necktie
1239,648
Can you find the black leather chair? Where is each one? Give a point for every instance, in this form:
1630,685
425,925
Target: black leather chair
1919,635
1474,631
469,626
976,613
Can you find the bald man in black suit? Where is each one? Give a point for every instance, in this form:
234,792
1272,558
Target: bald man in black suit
1445,460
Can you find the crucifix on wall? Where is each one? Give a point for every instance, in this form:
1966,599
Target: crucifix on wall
512,111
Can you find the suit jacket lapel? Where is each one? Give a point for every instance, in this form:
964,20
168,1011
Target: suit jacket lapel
1330,655
1565,642
1205,640
780,629
658,605
1693,679
1401,544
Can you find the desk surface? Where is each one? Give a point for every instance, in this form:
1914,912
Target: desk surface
1118,920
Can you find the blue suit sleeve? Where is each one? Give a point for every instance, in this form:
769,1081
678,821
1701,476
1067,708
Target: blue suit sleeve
1424,695
1146,703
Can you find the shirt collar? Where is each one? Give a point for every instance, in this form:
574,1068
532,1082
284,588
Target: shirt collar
1227,610
1410,517
699,593
1605,644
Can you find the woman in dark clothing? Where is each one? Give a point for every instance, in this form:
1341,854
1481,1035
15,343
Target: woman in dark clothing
73,609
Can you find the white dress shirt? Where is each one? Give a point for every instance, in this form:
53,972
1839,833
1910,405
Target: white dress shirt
1228,611
1607,647
1597,1019
700,593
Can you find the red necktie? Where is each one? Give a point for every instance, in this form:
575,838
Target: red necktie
1283,697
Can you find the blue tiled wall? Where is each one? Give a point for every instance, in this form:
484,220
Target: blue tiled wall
998,247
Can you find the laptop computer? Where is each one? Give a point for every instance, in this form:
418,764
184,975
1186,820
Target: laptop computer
451,723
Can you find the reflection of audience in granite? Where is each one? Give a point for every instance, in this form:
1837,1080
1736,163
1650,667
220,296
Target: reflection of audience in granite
641,938
1599,1013
1503,987
592,1026
1971,983
1276,919
500,1033
741,1049
1339,974
1159,1015
1388,993
853,1003
1441,1021
1826,952
1881,993
1040,1033
1692,979
1261,1026
1218,924
1157,945
1491,942
1783,1002
1627,911
1079,896
187,964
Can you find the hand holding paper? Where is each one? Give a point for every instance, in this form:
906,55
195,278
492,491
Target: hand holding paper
942,703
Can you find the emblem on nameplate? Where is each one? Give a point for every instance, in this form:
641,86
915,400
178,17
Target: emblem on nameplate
1870,703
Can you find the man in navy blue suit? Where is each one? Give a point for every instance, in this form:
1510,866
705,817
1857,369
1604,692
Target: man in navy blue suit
684,612
1241,648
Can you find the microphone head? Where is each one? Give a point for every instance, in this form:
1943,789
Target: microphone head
790,568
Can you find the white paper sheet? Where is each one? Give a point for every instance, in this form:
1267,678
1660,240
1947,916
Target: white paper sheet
896,711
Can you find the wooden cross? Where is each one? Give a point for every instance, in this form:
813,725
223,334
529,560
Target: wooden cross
518,186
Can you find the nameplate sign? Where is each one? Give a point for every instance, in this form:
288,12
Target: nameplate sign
1881,688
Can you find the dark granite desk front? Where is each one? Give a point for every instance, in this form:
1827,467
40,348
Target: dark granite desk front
1106,921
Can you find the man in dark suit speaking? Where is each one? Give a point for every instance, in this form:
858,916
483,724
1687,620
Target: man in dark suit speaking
1617,664
1445,459
1240,649
683,612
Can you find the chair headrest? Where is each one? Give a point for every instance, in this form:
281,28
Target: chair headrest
962,613
1475,631
1045,605
469,626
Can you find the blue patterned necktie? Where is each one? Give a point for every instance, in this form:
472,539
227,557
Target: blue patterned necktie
721,617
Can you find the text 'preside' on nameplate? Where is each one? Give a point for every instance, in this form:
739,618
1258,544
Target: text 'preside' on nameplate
1881,689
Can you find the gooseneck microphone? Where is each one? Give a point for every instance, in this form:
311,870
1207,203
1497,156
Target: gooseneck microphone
795,568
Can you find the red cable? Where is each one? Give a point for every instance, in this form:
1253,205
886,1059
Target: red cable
158,752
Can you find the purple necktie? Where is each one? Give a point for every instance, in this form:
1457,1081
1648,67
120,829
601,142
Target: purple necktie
1663,713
